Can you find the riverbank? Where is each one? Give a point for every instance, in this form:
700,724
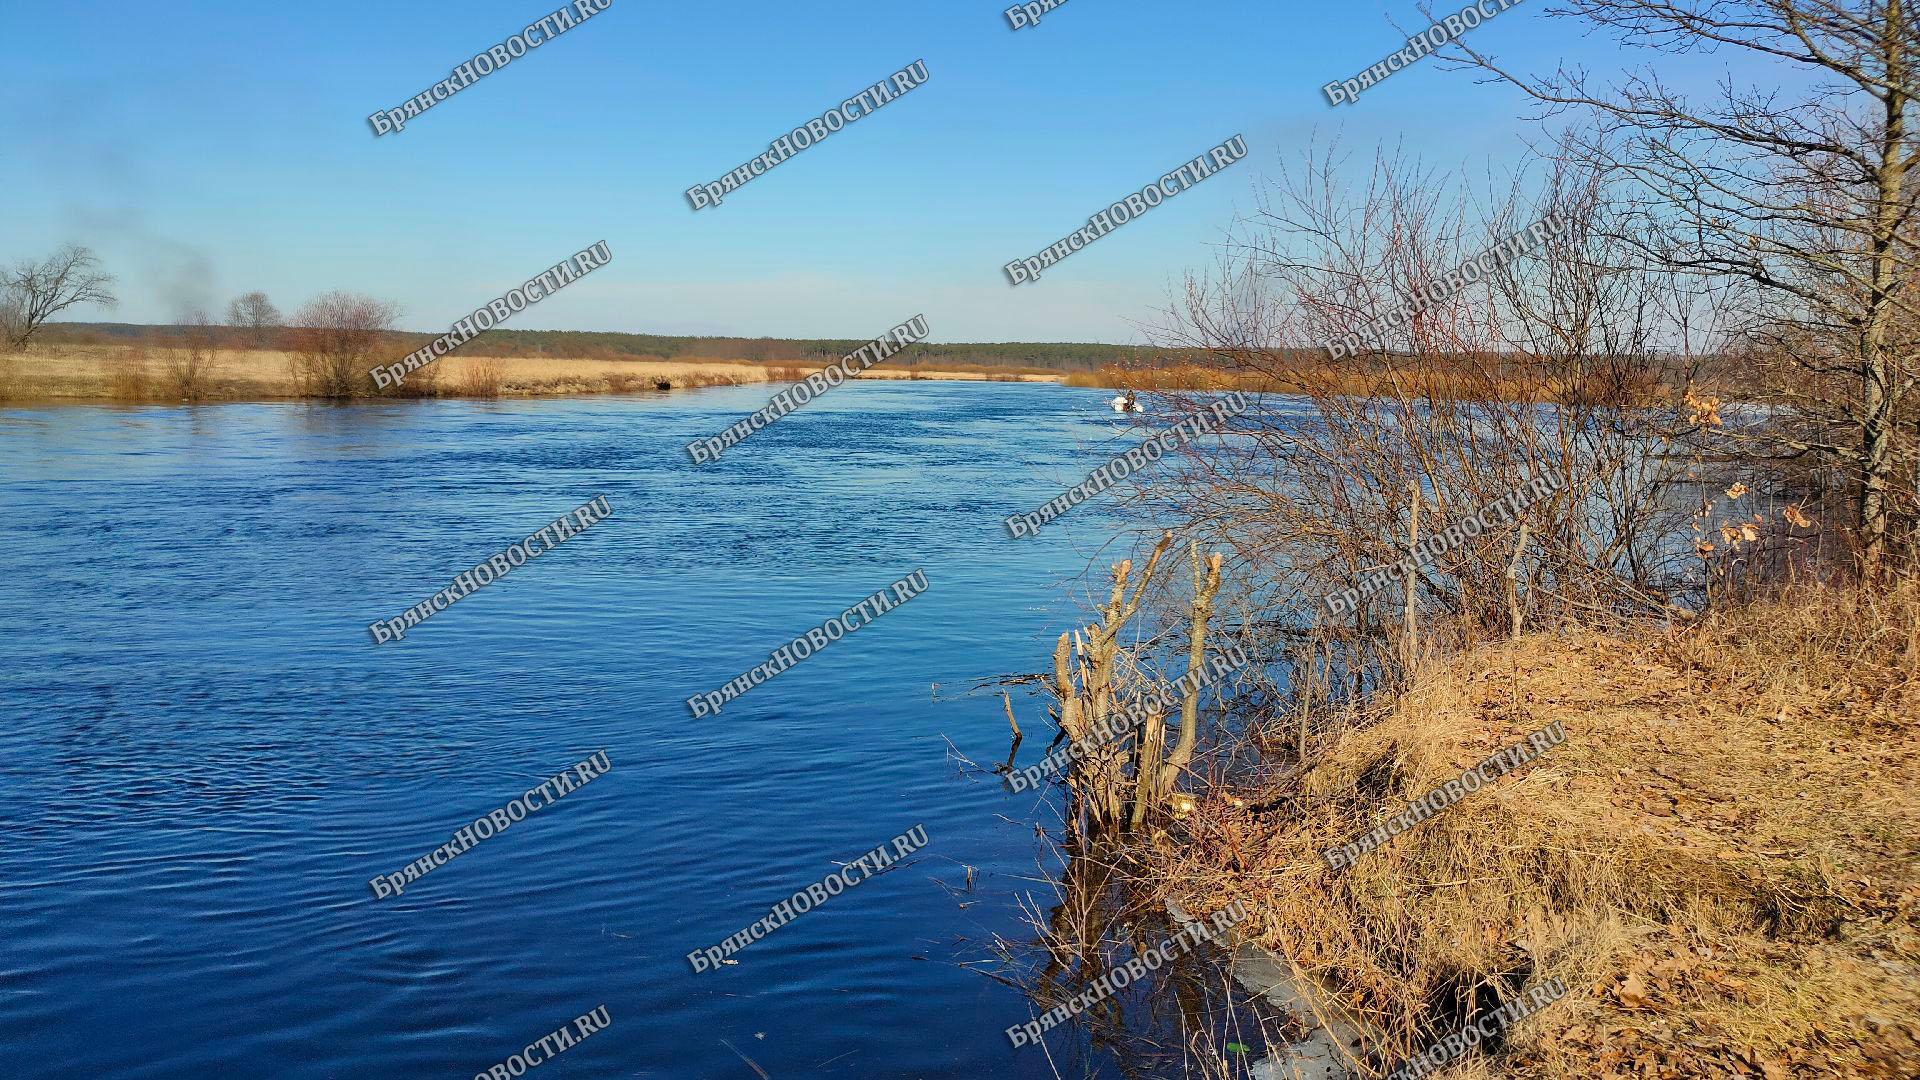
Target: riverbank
1721,861
135,374
58,372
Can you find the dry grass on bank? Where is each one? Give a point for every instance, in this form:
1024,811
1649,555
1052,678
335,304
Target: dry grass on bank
1354,379
1722,861
138,373
143,373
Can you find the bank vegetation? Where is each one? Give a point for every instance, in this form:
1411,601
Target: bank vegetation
1719,603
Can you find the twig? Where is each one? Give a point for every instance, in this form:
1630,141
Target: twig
756,1065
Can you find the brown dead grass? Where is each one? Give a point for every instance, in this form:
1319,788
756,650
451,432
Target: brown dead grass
95,373
125,375
1355,379
1722,861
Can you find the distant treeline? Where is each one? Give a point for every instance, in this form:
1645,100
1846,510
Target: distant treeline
1042,356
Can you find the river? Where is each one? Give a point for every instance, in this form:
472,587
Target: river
207,757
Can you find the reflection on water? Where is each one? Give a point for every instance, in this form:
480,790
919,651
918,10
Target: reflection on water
1192,1016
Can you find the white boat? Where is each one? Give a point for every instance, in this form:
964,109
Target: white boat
1126,403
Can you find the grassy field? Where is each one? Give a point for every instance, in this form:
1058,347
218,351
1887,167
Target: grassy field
141,372
132,374
1053,357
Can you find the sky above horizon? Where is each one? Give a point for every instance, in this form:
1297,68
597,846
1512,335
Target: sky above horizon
208,148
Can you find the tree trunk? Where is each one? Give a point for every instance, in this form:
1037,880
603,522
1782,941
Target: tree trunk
1878,391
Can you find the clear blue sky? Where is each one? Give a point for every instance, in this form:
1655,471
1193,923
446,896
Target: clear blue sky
208,147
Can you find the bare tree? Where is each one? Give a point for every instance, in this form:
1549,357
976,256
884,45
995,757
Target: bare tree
33,292
334,340
256,318
1795,185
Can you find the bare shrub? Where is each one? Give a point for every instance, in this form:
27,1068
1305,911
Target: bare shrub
1097,679
127,376
481,377
189,363
1565,362
335,340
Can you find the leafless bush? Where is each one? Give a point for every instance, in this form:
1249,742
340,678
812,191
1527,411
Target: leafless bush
1096,678
1566,362
189,363
482,377
335,340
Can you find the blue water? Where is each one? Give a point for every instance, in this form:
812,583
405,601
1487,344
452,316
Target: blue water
205,757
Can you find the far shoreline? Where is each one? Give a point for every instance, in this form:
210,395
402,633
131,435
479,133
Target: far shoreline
57,375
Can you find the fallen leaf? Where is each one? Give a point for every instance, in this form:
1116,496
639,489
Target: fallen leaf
1632,992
